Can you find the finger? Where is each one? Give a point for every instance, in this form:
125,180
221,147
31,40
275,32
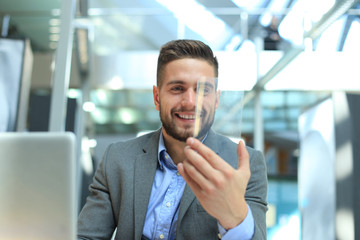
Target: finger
243,156
210,177
187,177
196,176
201,164
211,157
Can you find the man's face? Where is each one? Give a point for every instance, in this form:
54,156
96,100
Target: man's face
176,98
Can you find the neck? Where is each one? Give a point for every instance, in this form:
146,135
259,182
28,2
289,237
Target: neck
174,148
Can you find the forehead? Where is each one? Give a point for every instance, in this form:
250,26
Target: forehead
188,70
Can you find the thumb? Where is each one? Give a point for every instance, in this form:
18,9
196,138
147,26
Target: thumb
243,156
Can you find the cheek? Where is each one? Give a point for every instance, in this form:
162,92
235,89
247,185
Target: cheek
210,104
170,102
163,106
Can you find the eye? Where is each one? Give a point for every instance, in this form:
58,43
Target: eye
205,89
177,89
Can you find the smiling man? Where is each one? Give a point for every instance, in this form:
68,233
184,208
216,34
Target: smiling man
178,86
170,185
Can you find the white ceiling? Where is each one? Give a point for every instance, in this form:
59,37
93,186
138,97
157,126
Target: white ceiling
130,24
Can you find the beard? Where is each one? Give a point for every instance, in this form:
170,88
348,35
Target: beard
183,133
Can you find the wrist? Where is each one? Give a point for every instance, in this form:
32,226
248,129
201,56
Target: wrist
229,222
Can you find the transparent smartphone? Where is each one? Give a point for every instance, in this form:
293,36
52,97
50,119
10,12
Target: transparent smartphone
226,119
206,101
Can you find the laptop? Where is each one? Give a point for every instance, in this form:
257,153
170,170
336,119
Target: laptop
37,186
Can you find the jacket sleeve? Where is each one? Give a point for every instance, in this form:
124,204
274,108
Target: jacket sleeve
256,192
96,219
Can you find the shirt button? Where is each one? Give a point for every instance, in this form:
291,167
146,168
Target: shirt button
166,156
177,173
161,236
168,204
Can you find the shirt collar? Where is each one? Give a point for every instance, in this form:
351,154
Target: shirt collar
161,149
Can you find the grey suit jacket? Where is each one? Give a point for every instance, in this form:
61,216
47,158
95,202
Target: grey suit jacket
119,194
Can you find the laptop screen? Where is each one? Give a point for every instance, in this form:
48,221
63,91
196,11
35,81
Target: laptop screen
37,186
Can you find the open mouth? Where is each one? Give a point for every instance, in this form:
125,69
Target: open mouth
185,116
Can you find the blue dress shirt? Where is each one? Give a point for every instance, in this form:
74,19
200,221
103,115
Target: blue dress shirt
163,208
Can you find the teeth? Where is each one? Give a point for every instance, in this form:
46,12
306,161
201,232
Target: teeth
188,117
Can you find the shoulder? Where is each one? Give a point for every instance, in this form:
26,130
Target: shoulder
121,156
227,148
135,145
124,152
217,141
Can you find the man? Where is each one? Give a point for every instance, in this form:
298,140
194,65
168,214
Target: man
170,185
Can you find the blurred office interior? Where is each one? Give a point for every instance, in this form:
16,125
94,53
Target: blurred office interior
289,75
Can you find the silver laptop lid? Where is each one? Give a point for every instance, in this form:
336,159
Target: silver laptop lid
37,186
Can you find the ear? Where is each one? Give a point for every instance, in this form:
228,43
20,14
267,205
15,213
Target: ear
156,97
218,92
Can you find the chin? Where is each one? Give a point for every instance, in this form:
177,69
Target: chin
181,136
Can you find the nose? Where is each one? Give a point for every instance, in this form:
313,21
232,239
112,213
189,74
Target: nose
189,98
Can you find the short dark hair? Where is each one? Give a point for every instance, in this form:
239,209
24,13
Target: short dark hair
185,48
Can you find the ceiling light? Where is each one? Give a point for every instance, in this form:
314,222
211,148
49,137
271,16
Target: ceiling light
101,116
73,93
54,29
115,83
54,37
89,106
55,12
196,17
234,42
128,115
92,143
53,45
54,22
101,95
274,7
248,4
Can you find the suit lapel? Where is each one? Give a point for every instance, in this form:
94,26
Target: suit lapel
145,168
187,198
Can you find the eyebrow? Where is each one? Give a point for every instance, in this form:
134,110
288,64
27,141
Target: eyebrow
175,82
207,84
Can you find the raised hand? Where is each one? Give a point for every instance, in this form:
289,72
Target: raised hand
218,186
